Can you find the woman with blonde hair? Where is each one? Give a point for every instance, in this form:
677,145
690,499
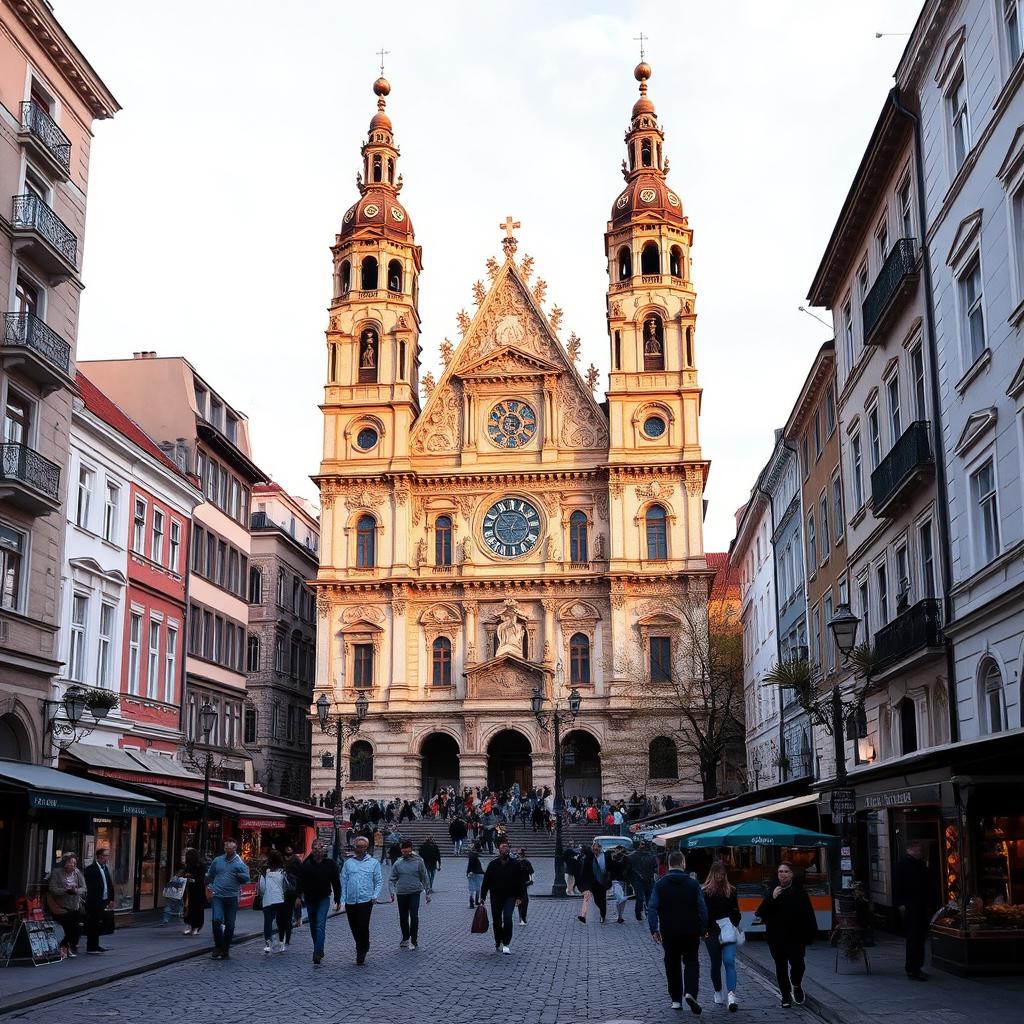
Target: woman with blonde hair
723,931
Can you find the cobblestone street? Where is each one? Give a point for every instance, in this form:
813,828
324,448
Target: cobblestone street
560,972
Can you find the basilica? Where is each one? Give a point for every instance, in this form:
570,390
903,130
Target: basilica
502,534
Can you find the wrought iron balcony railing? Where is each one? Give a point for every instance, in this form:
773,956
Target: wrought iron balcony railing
24,330
917,629
37,122
909,459
21,464
30,213
897,273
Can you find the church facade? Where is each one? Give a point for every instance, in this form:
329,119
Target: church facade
500,531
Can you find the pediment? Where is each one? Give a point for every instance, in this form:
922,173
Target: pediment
1014,158
89,566
951,54
1016,387
512,362
978,424
963,241
506,677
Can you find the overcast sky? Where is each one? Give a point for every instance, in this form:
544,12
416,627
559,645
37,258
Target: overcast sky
215,194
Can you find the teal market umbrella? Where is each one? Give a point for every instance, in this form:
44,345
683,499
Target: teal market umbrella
757,832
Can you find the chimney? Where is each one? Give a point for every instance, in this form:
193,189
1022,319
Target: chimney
144,355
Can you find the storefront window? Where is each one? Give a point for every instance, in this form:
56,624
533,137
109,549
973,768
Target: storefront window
1001,871
116,835
148,845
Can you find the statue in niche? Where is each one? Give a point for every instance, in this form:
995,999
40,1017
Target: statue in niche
510,632
368,349
599,548
421,552
467,551
652,336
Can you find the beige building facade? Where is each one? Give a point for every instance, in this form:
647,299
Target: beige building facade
49,98
510,532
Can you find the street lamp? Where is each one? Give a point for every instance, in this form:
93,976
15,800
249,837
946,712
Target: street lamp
557,719
207,720
338,726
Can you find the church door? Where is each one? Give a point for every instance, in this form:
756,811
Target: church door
509,760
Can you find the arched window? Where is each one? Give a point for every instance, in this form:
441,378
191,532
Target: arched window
689,346
366,542
675,261
579,659
994,713
377,165
255,585
441,662
908,725
578,537
443,540
657,536
654,342
395,276
345,277
369,355
253,661
625,259
650,259
646,157
360,762
391,171
332,368
369,274
663,758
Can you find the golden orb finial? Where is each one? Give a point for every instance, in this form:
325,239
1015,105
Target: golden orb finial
382,87
642,72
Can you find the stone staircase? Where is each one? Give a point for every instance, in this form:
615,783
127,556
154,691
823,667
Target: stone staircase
538,844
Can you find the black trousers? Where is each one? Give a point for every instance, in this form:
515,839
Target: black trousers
524,903
71,922
409,915
641,896
916,927
501,915
682,965
789,964
600,895
93,924
358,915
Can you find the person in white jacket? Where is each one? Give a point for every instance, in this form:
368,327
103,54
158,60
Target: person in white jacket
273,883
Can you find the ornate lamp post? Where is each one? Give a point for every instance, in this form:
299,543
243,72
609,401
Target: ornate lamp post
341,728
69,727
206,761
554,722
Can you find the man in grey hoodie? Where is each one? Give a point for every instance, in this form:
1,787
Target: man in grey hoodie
409,880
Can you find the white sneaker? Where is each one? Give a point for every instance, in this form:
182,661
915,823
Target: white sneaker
677,1006
734,1003
412,945
719,999
522,924
506,950
404,944
266,947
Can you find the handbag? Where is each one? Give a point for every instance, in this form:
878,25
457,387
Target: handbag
481,922
728,933
175,890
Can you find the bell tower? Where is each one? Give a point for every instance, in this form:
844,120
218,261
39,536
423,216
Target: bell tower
372,388
653,395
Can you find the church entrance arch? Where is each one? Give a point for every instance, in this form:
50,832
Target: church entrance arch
509,760
581,765
440,756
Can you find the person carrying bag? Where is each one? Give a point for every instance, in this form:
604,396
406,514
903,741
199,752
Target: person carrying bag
724,935
481,923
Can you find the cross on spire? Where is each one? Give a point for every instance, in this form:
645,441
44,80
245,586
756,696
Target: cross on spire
508,243
636,39
382,53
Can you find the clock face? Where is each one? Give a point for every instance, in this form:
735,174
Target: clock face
511,423
511,527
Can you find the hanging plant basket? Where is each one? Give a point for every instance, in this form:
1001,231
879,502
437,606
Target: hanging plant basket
101,702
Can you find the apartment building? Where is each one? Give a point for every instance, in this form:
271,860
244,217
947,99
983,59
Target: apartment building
202,434
49,98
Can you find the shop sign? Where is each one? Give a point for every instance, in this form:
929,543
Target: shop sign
907,797
843,803
255,823
94,805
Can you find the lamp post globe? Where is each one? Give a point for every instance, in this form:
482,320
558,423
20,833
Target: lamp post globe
844,628
207,719
362,705
74,704
536,701
323,710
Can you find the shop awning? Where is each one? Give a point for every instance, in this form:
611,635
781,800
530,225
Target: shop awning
117,761
253,810
756,832
50,789
732,817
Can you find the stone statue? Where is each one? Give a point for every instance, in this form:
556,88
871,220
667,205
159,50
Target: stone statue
652,343
467,551
510,631
421,552
551,549
368,355
599,548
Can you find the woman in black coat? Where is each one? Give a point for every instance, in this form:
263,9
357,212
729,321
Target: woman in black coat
722,902
790,927
194,907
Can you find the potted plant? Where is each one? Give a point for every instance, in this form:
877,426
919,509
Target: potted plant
101,702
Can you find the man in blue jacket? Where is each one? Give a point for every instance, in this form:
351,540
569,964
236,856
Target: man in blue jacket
361,884
226,876
678,917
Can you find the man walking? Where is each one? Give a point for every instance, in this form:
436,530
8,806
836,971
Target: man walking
318,880
226,876
430,854
98,899
619,872
524,901
593,880
409,879
643,865
361,884
503,882
457,832
913,897
678,917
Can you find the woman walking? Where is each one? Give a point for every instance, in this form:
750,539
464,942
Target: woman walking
276,908
722,903
524,901
790,927
474,875
65,891
194,908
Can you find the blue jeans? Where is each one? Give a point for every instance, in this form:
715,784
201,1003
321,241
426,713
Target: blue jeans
722,954
431,872
475,884
316,911
172,908
225,910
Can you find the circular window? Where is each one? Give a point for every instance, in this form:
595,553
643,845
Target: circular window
511,423
367,438
654,426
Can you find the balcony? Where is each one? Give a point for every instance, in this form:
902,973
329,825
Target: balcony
48,144
42,236
261,521
37,351
895,281
909,462
912,637
27,480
